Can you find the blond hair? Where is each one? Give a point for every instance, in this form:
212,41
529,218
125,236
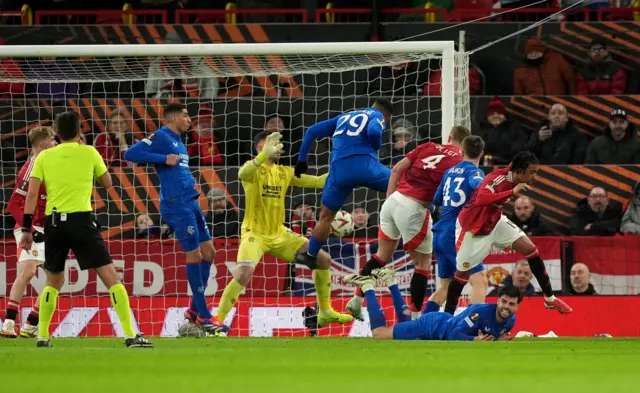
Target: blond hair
458,133
38,134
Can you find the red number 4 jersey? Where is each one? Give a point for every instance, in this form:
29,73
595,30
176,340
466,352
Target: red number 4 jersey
429,162
19,196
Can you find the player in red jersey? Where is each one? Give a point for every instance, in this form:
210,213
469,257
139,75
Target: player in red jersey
481,224
41,138
405,214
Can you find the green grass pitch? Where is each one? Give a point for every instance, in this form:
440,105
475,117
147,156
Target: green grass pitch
321,365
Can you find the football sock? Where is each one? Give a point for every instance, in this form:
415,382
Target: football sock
372,264
205,271
398,304
453,293
12,309
315,245
322,281
540,272
48,300
376,316
120,303
418,287
431,307
197,288
229,298
34,315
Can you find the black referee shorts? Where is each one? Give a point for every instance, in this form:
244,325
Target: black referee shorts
76,232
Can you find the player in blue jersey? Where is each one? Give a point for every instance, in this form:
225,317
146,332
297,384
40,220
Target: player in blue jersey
454,191
479,322
356,138
179,206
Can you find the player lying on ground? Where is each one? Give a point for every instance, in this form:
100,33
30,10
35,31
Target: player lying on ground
265,186
41,138
479,322
356,138
179,206
405,214
454,192
481,225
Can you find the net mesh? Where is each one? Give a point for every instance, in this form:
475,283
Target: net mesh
230,100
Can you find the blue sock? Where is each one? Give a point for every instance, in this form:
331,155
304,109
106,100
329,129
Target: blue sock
376,316
315,245
431,307
205,270
398,304
195,283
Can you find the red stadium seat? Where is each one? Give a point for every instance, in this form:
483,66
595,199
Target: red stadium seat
465,10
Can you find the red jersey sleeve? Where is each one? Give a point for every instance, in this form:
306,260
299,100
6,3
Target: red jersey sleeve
19,197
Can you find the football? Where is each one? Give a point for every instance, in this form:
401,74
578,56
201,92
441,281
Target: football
342,224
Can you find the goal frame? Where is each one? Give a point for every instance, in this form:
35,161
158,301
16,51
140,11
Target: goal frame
444,48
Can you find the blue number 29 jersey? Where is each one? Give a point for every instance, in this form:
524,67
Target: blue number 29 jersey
454,191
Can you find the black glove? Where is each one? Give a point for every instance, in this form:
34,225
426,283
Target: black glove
301,167
38,237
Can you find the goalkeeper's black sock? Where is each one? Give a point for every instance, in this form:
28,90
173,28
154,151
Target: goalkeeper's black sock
540,272
417,288
372,264
455,290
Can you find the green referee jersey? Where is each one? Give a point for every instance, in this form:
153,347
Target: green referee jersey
67,172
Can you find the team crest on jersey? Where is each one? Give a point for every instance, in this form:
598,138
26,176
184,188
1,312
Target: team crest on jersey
466,265
475,316
191,230
151,137
282,175
34,253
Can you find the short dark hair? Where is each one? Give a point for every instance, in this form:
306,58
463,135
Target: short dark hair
473,146
67,125
262,135
458,133
510,290
173,108
522,160
384,104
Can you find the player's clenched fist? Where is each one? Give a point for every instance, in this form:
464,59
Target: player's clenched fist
172,159
520,188
272,145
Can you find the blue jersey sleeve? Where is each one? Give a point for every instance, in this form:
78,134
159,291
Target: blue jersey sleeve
474,178
317,131
146,151
437,200
375,128
465,328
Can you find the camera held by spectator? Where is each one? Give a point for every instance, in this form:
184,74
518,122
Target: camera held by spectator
558,142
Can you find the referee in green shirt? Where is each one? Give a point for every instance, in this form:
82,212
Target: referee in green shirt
67,171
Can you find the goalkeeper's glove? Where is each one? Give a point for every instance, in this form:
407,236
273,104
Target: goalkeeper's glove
301,167
272,145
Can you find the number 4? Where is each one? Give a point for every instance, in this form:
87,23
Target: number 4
432,161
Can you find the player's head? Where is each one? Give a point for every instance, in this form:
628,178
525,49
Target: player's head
509,298
259,141
524,167
457,135
68,126
473,147
176,117
42,138
385,106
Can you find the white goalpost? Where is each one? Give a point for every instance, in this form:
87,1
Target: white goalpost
232,91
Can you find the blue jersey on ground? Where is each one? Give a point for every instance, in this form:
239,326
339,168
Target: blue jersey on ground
454,191
356,138
178,194
464,326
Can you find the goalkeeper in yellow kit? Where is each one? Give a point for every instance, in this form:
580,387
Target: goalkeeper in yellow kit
265,185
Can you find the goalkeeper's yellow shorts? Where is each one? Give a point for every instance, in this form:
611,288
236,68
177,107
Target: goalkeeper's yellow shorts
282,246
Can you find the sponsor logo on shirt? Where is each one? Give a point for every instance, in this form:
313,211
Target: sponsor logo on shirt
269,191
475,316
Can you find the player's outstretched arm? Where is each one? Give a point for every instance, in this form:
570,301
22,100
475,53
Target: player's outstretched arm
308,181
271,146
486,196
317,131
142,153
396,173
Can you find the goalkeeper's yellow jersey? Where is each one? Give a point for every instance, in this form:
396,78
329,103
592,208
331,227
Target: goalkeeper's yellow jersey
265,188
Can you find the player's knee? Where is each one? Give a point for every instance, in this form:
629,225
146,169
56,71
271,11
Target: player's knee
479,280
208,253
244,272
324,260
420,260
27,274
55,280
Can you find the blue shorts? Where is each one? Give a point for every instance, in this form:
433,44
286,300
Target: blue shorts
430,326
348,173
188,223
444,246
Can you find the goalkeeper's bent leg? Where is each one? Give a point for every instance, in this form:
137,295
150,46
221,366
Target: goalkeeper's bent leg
120,303
232,291
322,282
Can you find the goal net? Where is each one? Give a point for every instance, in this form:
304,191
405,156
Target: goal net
232,91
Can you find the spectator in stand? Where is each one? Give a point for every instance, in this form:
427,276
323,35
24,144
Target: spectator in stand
595,215
173,77
520,277
558,142
433,86
403,142
303,219
543,72
116,139
619,143
222,218
292,137
503,138
527,218
146,229
579,277
10,69
601,75
401,80
361,226
631,219
203,149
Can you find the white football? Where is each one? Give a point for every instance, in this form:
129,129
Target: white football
342,224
